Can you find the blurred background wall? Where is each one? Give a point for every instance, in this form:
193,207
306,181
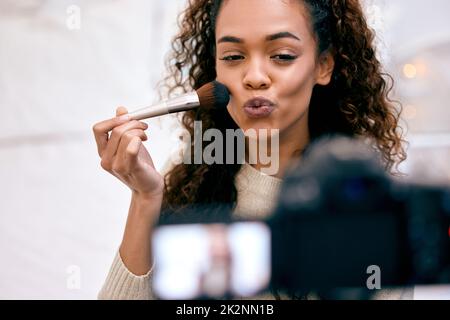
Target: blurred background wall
65,65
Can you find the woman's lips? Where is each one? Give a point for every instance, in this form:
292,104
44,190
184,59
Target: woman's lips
259,112
259,107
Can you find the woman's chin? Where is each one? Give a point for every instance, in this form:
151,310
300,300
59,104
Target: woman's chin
256,132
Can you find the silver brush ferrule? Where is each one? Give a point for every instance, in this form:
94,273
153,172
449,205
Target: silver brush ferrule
181,103
184,102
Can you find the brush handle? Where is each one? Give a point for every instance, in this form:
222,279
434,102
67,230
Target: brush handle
182,103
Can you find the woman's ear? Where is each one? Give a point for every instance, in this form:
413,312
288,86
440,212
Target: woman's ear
325,68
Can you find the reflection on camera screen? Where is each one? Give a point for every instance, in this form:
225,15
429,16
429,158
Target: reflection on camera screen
211,260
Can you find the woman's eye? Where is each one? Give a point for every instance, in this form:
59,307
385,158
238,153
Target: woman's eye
284,57
278,57
232,58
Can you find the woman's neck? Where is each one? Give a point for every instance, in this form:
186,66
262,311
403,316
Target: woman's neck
291,143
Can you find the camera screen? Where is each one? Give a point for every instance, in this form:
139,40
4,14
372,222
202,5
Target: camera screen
211,260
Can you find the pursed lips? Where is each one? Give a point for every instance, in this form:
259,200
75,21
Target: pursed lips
259,107
258,102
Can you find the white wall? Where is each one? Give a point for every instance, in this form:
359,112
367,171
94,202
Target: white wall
58,207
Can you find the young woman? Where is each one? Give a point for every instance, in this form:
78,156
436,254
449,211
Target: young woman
313,64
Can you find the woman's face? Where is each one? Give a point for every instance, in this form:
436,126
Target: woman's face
266,49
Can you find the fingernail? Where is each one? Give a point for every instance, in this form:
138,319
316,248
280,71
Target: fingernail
125,117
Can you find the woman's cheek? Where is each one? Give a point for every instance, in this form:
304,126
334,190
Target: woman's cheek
226,78
231,83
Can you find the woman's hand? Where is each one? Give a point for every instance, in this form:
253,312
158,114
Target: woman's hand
124,156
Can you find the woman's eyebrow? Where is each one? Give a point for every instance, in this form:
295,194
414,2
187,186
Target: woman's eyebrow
280,35
271,37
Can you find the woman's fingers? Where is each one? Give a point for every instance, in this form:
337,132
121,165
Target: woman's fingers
119,141
131,153
120,162
102,128
121,111
114,140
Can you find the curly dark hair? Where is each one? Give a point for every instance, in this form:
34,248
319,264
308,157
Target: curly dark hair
356,99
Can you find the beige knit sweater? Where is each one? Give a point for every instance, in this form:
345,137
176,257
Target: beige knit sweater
257,195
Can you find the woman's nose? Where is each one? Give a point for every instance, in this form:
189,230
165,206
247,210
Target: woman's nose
256,77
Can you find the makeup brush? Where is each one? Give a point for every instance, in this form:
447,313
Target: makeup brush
211,95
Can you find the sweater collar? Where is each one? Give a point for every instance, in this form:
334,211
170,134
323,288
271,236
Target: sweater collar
260,180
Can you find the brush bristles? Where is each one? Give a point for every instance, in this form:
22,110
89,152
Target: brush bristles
213,95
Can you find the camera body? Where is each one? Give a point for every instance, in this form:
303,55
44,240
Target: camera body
339,218
349,217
